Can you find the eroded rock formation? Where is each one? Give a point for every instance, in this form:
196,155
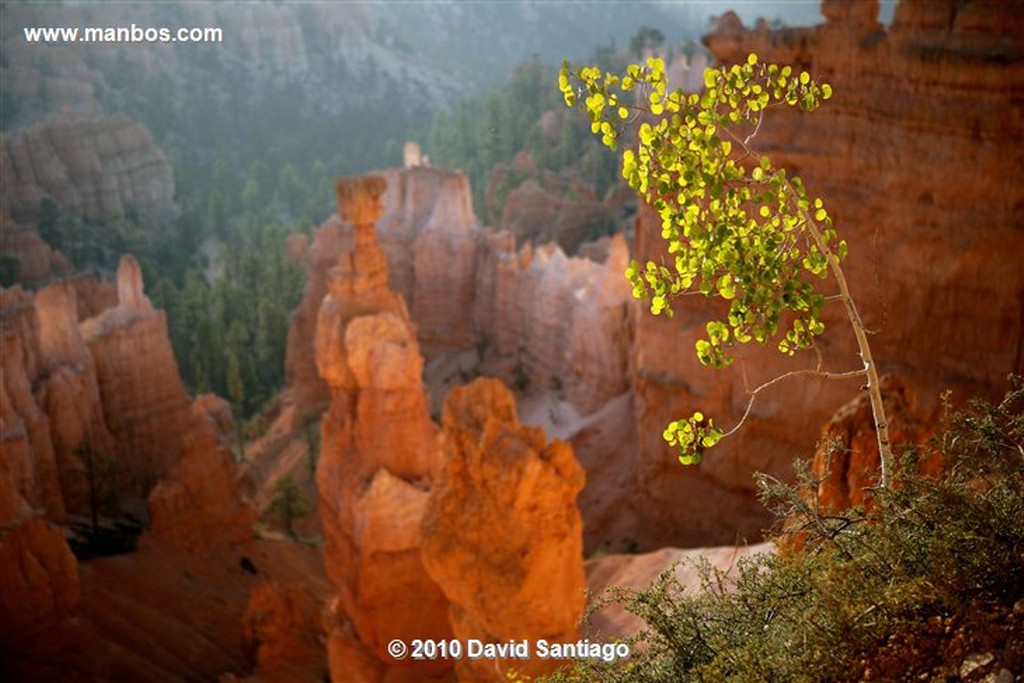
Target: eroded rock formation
89,166
380,455
144,402
525,579
199,501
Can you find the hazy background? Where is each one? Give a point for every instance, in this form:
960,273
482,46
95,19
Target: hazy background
257,127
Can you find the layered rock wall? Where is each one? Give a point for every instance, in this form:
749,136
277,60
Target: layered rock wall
914,156
89,166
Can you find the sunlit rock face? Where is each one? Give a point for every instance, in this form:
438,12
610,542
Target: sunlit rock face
502,534
144,402
380,456
915,157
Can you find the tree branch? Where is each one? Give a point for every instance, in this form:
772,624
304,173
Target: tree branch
817,372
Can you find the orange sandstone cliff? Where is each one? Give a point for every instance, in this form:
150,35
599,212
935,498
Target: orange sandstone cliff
915,156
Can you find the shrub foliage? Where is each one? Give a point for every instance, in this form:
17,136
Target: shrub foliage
893,591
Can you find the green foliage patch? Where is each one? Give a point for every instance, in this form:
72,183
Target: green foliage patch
734,225
930,552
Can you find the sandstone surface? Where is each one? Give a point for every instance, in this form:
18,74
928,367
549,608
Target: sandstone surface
199,502
932,245
144,402
379,456
527,580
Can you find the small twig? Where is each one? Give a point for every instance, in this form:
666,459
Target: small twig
805,371
760,118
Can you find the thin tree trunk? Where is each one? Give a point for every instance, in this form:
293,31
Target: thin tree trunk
860,332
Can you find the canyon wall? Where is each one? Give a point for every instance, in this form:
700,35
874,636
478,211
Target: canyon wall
915,157
89,166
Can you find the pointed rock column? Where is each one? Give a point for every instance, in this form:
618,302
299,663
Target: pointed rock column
380,455
144,402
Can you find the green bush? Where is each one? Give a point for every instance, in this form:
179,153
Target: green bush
893,592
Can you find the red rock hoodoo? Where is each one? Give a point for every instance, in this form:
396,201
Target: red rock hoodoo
144,402
380,456
502,534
